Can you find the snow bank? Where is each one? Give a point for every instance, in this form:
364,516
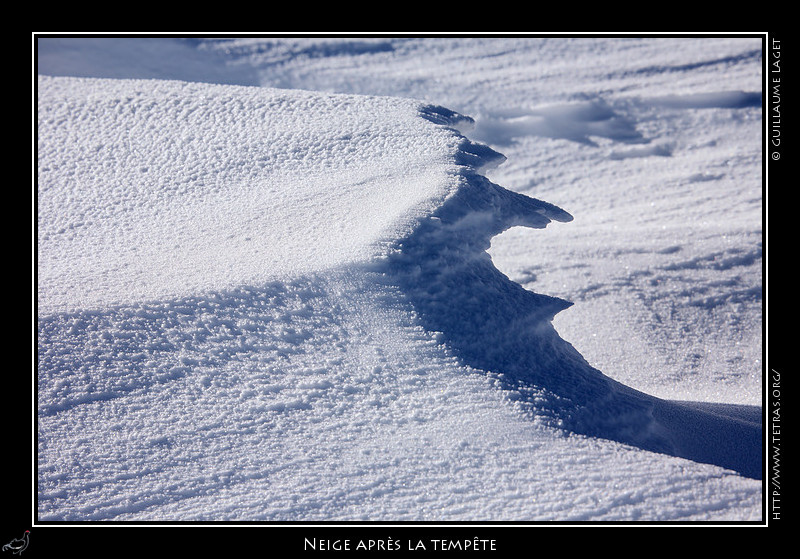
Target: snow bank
152,188
674,175
259,304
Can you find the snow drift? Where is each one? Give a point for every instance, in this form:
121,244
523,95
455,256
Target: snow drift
254,304
158,189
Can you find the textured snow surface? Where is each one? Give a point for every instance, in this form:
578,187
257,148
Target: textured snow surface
158,188
278,304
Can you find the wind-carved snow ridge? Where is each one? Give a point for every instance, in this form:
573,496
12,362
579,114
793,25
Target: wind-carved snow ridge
261,304
495,325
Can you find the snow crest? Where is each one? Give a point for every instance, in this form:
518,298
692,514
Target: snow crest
232,280
149,189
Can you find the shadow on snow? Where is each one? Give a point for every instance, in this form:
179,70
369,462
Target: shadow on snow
497,326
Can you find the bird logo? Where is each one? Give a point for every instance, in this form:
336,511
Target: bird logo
17,546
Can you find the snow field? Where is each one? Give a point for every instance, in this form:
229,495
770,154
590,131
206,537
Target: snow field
316,400
263,304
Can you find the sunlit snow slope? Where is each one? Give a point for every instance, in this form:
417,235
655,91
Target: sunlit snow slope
261,304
